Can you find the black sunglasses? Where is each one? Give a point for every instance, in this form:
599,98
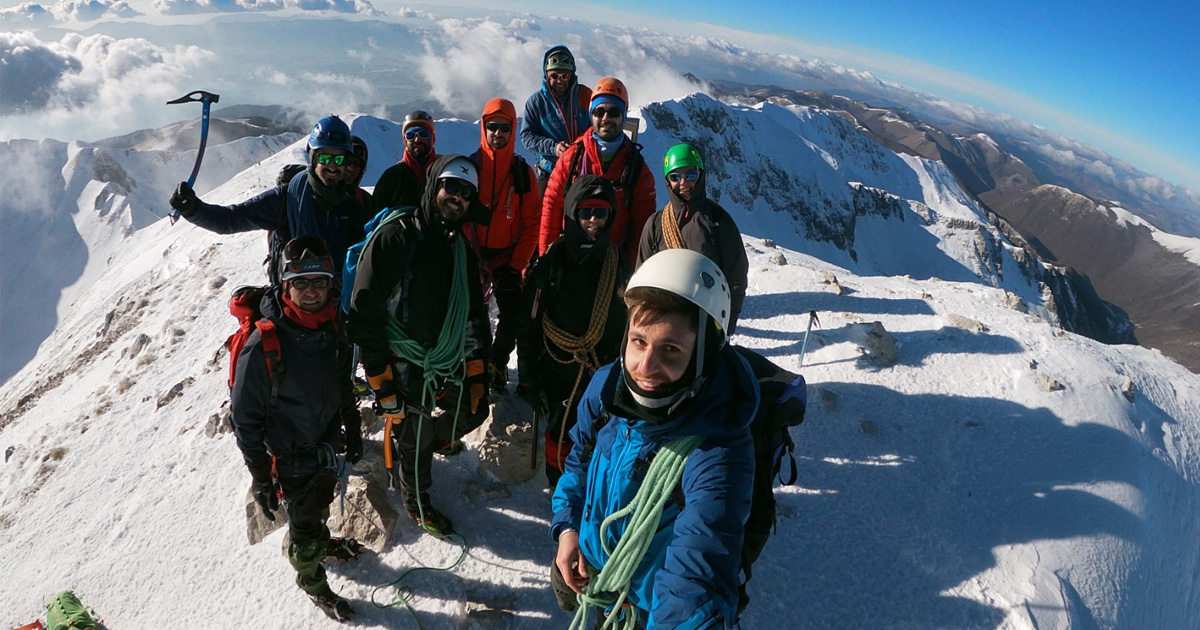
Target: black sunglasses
301,284
611,112
458,188
498,126
594,213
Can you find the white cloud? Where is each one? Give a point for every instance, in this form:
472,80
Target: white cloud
27,15
472,61
85,86
188,7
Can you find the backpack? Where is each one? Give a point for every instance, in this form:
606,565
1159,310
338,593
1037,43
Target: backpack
244,305
782,403
354,252
64,611
627,181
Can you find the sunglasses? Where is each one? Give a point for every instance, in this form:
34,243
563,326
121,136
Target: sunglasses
458,188
611,112
302,284
498,126
559,76
677,177
417,133
594,213
325,159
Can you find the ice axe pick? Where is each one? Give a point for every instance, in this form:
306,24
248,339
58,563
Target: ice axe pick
207,99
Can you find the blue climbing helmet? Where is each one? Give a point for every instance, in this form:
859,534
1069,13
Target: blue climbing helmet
330,133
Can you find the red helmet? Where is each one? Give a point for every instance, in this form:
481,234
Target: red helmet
610,86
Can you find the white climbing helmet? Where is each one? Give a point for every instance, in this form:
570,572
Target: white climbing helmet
690,275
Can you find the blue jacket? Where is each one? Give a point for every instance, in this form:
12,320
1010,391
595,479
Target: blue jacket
689,576
340,228
545,126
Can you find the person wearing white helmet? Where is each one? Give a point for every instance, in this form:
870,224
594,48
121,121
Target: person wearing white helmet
418,316
672,415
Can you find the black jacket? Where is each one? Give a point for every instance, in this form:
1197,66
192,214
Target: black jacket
416,251
314,396
563,286
397,187
706,228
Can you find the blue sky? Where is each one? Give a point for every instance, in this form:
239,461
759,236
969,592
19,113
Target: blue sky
1120,75
1117,75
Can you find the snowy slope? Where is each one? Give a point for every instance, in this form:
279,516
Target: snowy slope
949,490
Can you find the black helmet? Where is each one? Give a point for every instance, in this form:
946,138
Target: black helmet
305,256
360,148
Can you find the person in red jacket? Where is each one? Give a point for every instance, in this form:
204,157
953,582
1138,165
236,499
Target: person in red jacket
506,244
604,151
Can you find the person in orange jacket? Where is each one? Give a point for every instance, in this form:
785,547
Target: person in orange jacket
604,151
506,244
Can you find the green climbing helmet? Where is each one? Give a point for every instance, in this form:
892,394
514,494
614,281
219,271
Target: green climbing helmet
682,155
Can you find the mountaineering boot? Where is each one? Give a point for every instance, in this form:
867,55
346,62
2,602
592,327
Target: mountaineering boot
342,549
334,607
433,522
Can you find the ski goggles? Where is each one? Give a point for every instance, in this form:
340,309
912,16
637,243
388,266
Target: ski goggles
325,159
594,212
302,283
416,133
458,188
498,126
611,112
678,176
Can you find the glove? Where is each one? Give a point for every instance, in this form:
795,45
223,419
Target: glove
387,396
532,395
183,200
264,493
354,445
476,382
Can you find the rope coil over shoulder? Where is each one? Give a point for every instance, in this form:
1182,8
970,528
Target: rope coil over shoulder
583,348
672,235
646,509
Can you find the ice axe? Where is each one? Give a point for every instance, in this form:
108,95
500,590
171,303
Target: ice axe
207,98
812,317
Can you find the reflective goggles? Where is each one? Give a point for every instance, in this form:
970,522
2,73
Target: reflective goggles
325,159
679,176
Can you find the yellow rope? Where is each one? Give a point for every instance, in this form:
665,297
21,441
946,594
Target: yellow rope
672,236
583,348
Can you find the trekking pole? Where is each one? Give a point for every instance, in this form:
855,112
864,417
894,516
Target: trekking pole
812,317
207,98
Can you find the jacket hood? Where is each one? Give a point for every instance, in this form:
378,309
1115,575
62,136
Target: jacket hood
495,165
699,202
428,212
583,188
726,404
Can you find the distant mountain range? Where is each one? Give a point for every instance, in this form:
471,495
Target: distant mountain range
1067,215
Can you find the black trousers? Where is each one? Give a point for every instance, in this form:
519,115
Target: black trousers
414,453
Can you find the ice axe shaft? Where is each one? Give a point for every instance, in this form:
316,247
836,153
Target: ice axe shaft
207,99
812,317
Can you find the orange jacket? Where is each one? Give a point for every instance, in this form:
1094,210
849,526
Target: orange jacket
627,226
511,237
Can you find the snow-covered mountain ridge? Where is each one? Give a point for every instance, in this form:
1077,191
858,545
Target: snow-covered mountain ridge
997,473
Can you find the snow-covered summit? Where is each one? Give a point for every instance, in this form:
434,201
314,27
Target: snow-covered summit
997,472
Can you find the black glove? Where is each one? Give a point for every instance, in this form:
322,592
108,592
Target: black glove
264,493
387,395
532,395
183,200
354,445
